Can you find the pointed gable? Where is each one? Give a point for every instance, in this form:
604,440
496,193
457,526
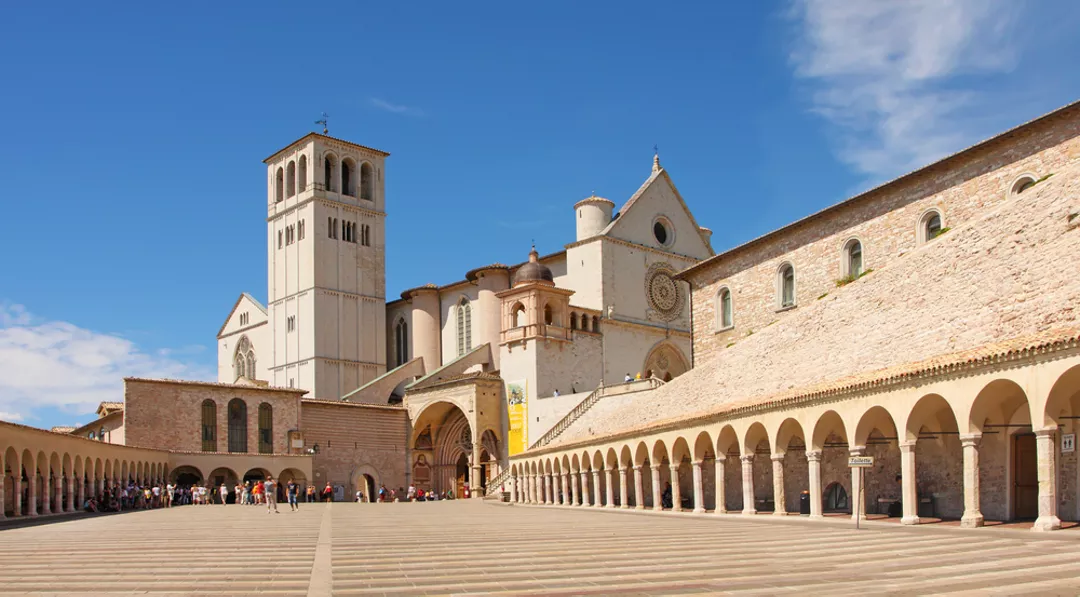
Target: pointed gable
244,305
658,201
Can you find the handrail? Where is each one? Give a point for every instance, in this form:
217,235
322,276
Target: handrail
494,484
593,397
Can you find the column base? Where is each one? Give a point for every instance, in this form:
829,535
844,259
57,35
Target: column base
699,510
658,508
625,506
639,507
816,517
779,513
1047,523
909,520
749,511
720,511
971,521
610,506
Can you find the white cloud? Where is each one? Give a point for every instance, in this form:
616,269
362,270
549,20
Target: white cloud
899,79
396,108
58,364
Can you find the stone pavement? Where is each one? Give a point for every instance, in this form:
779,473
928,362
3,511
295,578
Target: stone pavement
470,547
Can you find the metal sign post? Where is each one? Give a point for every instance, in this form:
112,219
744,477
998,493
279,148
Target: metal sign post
860,462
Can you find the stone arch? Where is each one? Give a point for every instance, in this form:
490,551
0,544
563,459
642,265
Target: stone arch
828,423
626,457
998,425
186,474
1063,400
788,431
575,464
453,452
755,434
876,417
665,361
366,478
938,458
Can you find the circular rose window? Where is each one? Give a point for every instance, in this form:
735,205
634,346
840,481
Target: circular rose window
663,292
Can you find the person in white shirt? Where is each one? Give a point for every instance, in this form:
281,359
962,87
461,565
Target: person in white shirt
224,494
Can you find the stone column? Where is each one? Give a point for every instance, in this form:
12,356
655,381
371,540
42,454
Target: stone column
2,504
676,490
71,494
748,484
475,490
549,485
16,495
609,493
575,497
32,507
972,514
813,459
858,500
721,486
657,501
535,489
46,489
567,498
639,489
909,485
82,493
1048,501
779,496
585,489
100,488
624,498
699,488
58,495
556,496
596,489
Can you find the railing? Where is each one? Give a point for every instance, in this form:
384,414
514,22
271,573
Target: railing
533,330
594,397
495,484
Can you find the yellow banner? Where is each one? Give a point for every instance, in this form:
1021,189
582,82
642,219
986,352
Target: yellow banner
517,409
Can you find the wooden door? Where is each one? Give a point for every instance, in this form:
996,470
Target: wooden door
1025,477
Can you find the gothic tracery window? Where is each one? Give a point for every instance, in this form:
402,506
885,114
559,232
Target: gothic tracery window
244,360
464,327
401,342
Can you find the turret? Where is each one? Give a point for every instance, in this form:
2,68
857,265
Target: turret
593,215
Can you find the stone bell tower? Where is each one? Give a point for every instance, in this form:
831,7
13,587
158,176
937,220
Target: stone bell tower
327,265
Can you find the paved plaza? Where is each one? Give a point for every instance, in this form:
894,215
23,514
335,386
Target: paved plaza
469,547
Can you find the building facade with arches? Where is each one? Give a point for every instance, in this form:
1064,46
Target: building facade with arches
930,323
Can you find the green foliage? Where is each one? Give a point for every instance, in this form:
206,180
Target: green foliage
823,296
730,344
940,232
848,280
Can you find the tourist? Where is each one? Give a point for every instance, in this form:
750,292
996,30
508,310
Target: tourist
156,490
628,379
310,493
382,493
665,499
291,491
247,493
169,489
412,493
556,393
270,491
90,505
328,493
359,496
260,492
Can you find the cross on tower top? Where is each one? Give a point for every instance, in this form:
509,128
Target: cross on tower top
323,122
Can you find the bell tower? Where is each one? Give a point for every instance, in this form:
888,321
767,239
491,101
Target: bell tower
327,265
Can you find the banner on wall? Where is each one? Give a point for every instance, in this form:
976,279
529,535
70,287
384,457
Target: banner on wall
517,409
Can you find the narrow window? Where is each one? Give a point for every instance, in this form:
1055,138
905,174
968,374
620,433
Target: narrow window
547,314
330,227
725,309
279,184
929,227
787,286
518,315
328,173
290,180
237,425
367,182
209,426
854,259
573,321
279,237
402,341
266,429
347,179
464,327
302,178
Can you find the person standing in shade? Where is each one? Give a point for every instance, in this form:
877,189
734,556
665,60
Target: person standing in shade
224,494
292,490
310,493
270,494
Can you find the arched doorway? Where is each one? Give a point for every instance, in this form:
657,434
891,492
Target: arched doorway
461,476
368,487
186,476
451,451
665,361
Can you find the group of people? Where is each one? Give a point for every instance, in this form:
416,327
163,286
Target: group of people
414,494
144,497
135,497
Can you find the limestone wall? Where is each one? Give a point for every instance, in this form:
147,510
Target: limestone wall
355,440
885,221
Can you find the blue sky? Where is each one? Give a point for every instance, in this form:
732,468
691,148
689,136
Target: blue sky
134,134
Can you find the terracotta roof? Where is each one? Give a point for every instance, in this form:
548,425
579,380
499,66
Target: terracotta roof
216,384
865,195
110,405
478,375
990,354
62,429
324,402
471,274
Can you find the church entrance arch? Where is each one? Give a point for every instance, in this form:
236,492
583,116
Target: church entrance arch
665,361
443,449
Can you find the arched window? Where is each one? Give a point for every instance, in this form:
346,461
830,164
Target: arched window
517,315
279,185
244,360
548,316
1022,184
209,426
266,428
464,327
786,286
328,173
92,435
290,179
929,226
302,178
401,341
101,434
573,321
724,319
237,425
853,262
348,179
367,182
596,323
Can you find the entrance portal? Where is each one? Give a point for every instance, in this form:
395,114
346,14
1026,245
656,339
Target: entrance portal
1025,477
462,476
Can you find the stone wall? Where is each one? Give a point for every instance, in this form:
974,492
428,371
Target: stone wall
885,220
356,439
167,415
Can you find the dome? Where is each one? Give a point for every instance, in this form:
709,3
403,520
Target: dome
533,271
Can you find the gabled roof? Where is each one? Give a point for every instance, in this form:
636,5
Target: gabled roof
660,173
242,296
107,408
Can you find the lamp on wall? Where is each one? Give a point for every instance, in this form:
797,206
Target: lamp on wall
313,449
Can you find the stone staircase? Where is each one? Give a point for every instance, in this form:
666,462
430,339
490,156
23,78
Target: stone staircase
575,413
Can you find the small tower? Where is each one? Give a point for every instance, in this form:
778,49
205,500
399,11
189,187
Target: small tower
593,215
327,265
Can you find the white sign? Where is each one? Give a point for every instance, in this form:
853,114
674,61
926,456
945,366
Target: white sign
1068,443
298,443
860,461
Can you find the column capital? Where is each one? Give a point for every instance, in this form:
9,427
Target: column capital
813,455
1047,432
907,445
674,466
637,467
970,439
696,462
657,467
721,457
747,457
856,450
776,457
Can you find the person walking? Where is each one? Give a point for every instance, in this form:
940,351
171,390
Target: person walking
292,490
310,494
270,494
328,493
224,494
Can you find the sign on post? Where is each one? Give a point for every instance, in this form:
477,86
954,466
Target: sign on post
860,461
